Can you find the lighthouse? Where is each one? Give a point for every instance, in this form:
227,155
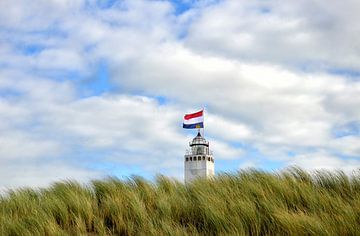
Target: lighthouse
198,160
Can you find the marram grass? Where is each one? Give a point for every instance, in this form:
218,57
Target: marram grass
249,202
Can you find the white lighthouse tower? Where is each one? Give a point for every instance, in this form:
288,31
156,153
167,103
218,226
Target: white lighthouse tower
198,161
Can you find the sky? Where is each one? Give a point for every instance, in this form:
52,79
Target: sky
96,88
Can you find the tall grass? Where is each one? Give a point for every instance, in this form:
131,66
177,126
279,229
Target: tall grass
250,202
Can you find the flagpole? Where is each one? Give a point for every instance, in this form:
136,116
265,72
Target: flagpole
204,122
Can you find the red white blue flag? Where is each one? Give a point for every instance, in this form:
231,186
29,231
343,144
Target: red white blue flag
194,120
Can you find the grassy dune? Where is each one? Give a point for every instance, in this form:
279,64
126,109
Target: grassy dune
250,202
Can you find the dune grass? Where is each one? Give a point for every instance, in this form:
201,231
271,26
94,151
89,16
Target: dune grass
250,202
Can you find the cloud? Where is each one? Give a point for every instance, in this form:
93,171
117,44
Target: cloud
229,130
224,151
325,161
274,85
20,145
44,123
347,145
21,16
275,105
300,33
41,174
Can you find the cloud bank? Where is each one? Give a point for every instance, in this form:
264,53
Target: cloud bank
96,88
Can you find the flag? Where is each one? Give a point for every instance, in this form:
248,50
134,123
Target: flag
194,120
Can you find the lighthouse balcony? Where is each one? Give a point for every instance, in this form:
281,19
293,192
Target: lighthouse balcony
198,151
199,158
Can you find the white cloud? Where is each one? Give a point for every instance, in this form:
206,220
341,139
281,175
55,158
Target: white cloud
314,34
61,59
22,145
46,121
39,15
223,151
247,61
41,174
279,106
347,145
325,161
228,130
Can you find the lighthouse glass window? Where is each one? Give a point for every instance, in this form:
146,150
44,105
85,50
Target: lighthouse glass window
200,150
195,150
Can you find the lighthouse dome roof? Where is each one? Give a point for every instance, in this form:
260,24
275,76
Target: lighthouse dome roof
199,140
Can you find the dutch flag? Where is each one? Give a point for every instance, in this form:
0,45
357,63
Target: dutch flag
194,120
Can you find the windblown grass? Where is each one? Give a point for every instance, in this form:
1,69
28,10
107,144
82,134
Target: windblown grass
249,202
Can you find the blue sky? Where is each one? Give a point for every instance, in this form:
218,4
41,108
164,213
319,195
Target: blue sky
92,88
